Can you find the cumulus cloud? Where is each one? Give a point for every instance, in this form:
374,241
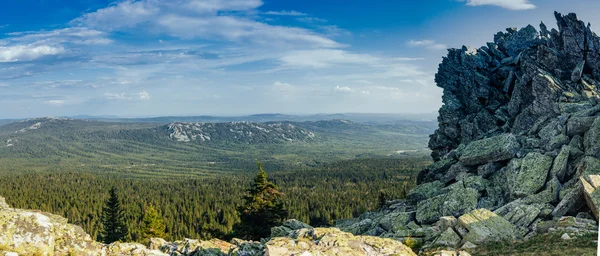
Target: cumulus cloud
27,52
516,5
429,44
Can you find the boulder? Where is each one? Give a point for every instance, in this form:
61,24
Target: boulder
493,149
591,192
559,166
425,190
591,140
447,238
485,226
395,221
37,233
446,222
332,241
455,202
488,169
572,201
579,125
287,226
519,213
528,175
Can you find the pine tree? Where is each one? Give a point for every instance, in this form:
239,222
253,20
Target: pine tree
263,209
113,224
153,224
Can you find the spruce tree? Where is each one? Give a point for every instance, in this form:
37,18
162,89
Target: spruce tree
263,209
113,224
153,224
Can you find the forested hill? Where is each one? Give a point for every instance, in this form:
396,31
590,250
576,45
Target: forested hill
232,146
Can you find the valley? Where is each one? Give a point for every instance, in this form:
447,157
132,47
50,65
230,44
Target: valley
67,166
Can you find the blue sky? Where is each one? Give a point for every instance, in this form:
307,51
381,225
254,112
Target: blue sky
235,57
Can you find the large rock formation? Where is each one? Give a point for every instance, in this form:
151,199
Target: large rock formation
517,150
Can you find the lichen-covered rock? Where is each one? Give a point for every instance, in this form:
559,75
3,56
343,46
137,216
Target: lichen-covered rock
455,202
332,241
571,201
497,148
592,140
288,226
560,164
591,191
528,175
395,221
31,232
192,246
484,226
448,238
425,190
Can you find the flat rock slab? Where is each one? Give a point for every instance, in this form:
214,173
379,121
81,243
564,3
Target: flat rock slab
493,149
528,175
485,226
591,192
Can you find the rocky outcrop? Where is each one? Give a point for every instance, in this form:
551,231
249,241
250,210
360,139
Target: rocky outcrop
238,132
517,149
25,232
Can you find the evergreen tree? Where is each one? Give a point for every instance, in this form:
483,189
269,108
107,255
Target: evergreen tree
263,209
153,224
113,224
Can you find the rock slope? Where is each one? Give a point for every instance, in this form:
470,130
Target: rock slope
517,150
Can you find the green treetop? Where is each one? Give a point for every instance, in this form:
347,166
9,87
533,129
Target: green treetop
262,209
113,224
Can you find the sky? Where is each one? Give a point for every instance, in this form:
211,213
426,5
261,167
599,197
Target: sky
139,58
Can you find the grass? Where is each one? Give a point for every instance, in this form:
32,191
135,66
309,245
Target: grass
543,245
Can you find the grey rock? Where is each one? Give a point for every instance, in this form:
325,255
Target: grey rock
455,202
560,164
528,175
493,149
572,201
488,169
579,125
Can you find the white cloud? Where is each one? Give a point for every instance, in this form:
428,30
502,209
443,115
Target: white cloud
59,36
55,102
429,44
194,19
323,58
343,89
407,59
143,95
27,52
117,96
286,13
516,5
311,20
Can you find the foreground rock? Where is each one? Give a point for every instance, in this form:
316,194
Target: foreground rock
24,232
